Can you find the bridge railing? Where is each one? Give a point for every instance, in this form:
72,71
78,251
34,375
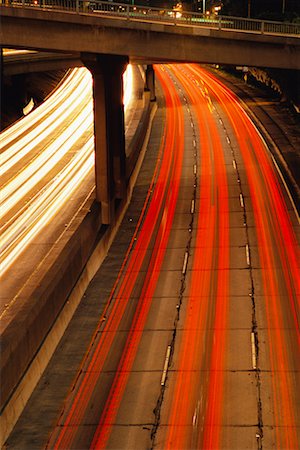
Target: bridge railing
143,13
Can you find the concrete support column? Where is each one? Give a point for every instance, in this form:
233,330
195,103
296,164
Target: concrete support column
150,82
109,131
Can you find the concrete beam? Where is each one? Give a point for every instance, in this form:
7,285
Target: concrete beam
141,41
14,64
109,131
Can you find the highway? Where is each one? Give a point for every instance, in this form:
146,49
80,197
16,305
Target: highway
47,161
194,316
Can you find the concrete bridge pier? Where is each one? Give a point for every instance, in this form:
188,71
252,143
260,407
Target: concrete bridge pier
109,131
150,82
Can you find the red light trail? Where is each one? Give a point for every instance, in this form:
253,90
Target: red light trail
162,203
194,400
279,255
208,293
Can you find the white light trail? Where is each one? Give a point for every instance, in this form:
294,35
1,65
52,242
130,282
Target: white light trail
39,143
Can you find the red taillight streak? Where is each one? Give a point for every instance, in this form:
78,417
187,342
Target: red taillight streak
278,215
213,414
125,366
209,217
181,407
282,229
278,352
280,219
96,363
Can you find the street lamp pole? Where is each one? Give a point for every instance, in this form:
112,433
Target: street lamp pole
203,11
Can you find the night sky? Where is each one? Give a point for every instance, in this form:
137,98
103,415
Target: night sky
267,9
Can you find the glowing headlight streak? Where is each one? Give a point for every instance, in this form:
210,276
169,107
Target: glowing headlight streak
19,187
46,206
21,229
71,83
35,171
68,92
13,51
46,127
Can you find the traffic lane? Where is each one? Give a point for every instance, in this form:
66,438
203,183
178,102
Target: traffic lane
104,375
272,215
96,360
274,117
60,226
34,254
136,410
44,126
239,419
35,178
236,219
201,280
274,373
45,203
143,388
42,159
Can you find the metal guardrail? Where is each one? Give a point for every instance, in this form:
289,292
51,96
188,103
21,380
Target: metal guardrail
146,14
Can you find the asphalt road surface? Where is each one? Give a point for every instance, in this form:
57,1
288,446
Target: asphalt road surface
188,336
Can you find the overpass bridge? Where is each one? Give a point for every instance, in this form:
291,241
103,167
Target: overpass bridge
148,35
108,35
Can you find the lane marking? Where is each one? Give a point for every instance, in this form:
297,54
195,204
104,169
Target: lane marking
242,200
195,416
228,140
194,143
234,164
193,206
186,257
195,169
192,124
164,374
248,254
253,351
